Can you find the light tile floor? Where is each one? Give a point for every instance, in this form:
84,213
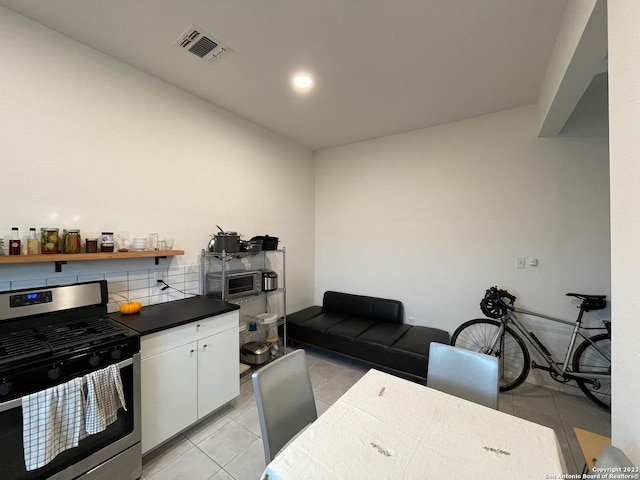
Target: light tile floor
227,444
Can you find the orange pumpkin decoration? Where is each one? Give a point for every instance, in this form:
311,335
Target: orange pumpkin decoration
130,307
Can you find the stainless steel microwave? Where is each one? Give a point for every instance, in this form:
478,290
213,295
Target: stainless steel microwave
234,284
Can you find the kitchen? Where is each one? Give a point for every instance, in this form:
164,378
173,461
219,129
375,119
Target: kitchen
64,110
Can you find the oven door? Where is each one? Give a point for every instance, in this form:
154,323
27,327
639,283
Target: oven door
114,453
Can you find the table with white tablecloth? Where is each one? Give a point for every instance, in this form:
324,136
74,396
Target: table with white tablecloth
386,427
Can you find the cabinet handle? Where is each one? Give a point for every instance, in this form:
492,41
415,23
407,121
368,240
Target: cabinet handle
192,350
198,325
204,346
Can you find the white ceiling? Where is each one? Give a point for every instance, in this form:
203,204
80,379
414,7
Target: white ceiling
381,66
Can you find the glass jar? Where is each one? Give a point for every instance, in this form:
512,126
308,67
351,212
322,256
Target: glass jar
71,242
49,240
106,244
91,245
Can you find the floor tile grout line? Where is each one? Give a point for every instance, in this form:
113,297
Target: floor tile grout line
566,433
175,459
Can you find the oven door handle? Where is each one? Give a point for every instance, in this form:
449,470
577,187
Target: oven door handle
17,402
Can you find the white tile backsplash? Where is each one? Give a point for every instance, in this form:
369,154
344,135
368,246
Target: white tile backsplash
113,277
134,285
31,283
91,277
69,280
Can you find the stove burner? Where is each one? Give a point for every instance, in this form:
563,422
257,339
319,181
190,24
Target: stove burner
21,344
55,338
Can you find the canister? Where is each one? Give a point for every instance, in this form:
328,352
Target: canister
269,281
49,240
106,244
71,241
270,324
91,245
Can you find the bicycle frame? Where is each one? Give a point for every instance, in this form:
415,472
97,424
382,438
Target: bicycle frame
564,372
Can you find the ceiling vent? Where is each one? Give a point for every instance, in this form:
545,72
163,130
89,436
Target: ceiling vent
201,44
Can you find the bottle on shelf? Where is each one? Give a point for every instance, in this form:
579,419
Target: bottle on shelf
33,244
14,243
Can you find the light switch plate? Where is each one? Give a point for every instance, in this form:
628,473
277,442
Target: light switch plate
521,262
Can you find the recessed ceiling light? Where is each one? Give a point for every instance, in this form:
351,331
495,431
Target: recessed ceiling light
302,81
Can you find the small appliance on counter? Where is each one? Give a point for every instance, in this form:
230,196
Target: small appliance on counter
269,281
255,353
234,284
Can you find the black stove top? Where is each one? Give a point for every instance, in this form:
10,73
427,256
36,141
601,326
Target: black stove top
53,334
55,339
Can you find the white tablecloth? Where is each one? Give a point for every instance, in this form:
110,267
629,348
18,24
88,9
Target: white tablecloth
385,427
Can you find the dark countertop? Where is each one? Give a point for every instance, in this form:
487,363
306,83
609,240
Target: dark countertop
154,318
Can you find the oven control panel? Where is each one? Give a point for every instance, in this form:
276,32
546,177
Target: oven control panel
31,298
16,304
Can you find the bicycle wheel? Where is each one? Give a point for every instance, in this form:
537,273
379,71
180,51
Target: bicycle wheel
477,335
595,358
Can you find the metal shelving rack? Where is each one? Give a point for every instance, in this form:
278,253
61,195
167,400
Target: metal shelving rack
213,262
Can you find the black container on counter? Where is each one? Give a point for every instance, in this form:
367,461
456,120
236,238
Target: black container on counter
268,243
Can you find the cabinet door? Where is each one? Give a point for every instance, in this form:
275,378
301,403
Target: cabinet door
169,394
218,371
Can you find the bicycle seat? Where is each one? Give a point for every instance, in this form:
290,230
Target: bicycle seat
584,296
590,302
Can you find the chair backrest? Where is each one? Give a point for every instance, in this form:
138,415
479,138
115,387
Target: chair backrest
284,397
611,457
463,373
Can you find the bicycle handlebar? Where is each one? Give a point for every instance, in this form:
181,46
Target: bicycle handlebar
496,302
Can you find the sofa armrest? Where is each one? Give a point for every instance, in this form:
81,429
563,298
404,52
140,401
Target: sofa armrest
304,315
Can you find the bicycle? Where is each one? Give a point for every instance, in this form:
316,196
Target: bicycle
590,366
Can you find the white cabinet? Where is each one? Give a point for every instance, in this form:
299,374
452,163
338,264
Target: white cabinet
169,394
216,354
187,372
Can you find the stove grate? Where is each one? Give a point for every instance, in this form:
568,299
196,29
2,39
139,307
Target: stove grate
20,344
56,337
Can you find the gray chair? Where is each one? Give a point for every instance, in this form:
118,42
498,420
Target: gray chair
284,397
612,457
463,373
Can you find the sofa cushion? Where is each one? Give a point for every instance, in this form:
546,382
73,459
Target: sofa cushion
351,327
379,309
324,321
383,333
417,339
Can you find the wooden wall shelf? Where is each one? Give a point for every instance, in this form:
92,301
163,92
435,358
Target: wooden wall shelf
61,258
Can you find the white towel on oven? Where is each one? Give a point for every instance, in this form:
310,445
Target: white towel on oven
52,422
104,398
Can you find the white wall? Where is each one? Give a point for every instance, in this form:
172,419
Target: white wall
436,216
624,118
91,143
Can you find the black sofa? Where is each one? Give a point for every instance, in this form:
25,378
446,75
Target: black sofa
370,329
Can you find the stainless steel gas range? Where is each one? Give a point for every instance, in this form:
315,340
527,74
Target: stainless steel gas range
53,335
